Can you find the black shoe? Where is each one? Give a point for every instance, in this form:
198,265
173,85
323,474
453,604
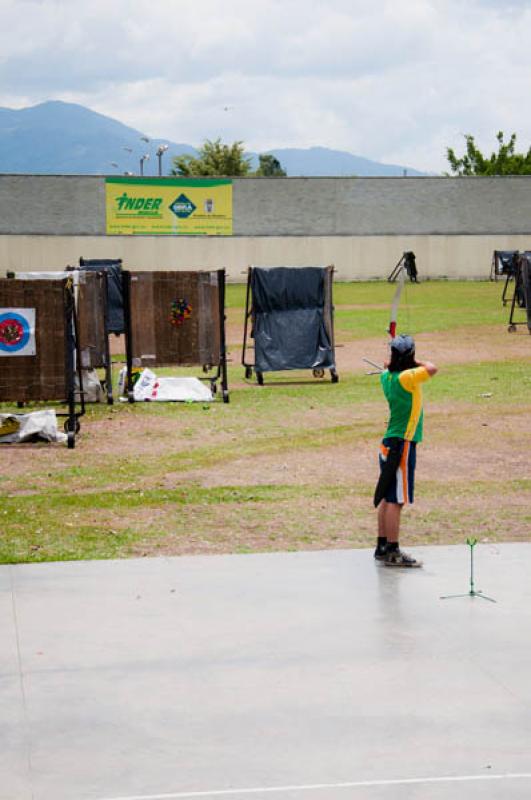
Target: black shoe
380,553
397,558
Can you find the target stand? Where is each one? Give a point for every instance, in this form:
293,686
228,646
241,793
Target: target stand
289,321
521,298
472,592
176,319
39,346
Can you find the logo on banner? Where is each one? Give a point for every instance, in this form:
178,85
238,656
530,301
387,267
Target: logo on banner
182,207
17,332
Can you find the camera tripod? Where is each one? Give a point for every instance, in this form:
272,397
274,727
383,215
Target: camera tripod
471,542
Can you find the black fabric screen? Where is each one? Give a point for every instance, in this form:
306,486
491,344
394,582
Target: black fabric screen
505,261
289,319
115,299
524,285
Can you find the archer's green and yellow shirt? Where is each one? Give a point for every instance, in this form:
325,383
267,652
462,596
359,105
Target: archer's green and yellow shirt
403,391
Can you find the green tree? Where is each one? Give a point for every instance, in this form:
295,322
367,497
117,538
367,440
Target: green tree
270,167
214,158
504,162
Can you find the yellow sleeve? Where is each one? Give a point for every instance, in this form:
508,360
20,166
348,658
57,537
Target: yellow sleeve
411,378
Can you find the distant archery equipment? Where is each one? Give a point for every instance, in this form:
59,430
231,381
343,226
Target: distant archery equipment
39,346
91,296
521,298
289,315
176,319
115,301
407,261
504,264
111,268
472,592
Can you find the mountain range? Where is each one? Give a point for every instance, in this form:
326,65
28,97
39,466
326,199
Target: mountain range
57,138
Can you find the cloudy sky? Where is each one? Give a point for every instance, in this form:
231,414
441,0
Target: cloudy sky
396,81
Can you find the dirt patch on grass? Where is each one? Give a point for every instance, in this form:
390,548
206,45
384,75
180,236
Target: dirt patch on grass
314,521
464,346
350,465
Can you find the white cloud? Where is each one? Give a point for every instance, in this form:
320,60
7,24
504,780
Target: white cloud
396,82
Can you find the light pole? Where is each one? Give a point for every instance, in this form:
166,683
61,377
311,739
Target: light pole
161,149
143,158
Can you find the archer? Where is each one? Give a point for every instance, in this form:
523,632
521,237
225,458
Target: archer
401,381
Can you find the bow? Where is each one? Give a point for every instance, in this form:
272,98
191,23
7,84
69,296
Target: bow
401,279
396,301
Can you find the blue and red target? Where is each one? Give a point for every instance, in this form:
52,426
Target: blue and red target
15,332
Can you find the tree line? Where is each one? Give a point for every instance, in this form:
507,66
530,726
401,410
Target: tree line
215,158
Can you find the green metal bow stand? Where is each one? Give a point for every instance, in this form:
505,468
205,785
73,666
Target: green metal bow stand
471,542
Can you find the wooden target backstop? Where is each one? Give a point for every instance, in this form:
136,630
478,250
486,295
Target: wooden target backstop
177,319
38,330
91,296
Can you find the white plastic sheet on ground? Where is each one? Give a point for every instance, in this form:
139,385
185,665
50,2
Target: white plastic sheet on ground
42,425
150,387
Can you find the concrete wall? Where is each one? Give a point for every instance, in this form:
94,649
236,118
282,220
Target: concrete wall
362,225
382,206
52,204
355,257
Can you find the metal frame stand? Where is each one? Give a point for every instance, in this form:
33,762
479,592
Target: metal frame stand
101,266
108,358
521,295
222,367
510,277
471,542
126,287
73,368
396,270
404,262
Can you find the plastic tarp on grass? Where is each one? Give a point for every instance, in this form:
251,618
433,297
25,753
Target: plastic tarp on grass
35,426
292,319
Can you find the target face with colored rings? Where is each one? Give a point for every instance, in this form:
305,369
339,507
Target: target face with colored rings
17,331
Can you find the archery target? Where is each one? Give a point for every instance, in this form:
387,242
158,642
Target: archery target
17,332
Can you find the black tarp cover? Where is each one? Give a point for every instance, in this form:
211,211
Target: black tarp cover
505,261
289,319
115,298
523,287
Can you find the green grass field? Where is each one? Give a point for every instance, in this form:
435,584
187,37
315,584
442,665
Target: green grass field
287,465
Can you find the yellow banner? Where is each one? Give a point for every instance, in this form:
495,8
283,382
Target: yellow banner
169,206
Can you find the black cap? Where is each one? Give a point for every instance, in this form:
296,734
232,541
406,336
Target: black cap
403,344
